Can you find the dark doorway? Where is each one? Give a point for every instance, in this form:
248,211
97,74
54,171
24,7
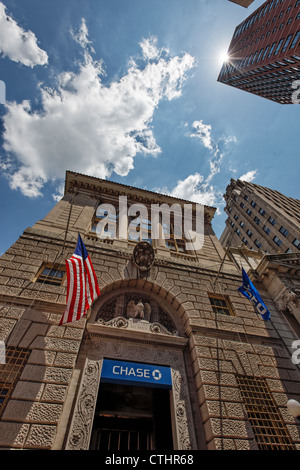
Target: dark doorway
132,418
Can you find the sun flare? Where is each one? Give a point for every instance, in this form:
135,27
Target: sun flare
223,57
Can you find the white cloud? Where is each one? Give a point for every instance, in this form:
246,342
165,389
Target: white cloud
88,127
150,49
17,44
193,188
81,36
249,176
203,132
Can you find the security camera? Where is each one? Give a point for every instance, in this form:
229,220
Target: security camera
294,408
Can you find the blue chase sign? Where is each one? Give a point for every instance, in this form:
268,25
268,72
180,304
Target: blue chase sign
133,373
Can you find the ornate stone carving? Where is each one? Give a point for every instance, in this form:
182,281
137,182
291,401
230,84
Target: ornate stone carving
85,407
143,256
133,306
138,310
289,301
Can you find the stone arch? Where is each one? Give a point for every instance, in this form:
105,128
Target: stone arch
166,301
111,340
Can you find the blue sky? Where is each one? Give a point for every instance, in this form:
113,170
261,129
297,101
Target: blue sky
127,90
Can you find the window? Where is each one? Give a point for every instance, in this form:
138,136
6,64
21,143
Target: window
286,44
244,240
278,46
173,243
253,204
246,197
266,229
261,211
272,49
295,40
269,429
257,220
220,304
249,233
272,221
104,223
242,205
296,242
50,274
277,241
16,359
257,243
284,231
139,229
249,212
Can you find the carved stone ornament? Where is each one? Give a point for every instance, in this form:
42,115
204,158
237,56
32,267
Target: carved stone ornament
143,256
136,311
289,301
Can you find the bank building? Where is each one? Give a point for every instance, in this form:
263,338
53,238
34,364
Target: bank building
169,356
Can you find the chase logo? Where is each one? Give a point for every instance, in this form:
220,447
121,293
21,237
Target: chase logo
156,374
136,373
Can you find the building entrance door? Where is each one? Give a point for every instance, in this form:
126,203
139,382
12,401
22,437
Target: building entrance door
132,418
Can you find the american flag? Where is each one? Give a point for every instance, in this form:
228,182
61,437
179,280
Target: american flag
82,284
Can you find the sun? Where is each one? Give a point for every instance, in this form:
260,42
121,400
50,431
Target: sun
223,57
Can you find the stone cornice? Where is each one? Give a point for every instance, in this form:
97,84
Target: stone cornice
282,263
76,181
101,331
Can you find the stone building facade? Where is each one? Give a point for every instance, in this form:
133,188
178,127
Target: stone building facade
161,307
261,218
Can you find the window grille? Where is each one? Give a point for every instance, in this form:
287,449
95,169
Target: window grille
220,305
268,426
49,274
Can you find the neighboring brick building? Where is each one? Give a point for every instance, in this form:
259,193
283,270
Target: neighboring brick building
218,356
264,53
261,218
242,3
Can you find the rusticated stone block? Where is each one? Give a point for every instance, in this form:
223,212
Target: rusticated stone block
56,344
13,434
32,412
36,329
39,356
65,360
28,390
55,393
41,436
46,374
6,328
227,428
18,332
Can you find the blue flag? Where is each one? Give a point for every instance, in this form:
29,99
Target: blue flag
249,291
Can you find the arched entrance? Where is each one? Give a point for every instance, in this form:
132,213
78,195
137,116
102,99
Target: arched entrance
134,337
